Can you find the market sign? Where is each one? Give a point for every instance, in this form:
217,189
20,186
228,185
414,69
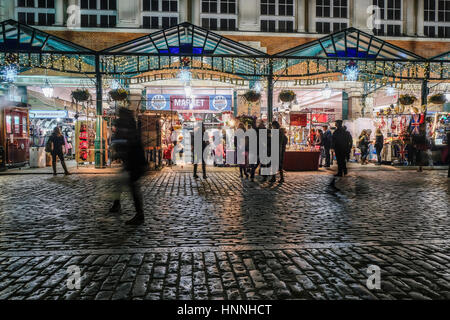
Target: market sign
48,114
217,103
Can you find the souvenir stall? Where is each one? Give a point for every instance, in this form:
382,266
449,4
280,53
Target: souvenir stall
394,128
439,126
156,131
42,123
299,156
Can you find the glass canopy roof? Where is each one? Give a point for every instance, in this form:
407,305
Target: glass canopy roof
18,37
185,39
351,43
442,56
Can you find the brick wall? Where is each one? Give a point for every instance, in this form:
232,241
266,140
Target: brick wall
103,40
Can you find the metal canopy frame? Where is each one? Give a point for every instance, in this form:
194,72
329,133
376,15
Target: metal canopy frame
165,49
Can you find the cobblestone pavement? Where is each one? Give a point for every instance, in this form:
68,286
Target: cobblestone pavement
227,238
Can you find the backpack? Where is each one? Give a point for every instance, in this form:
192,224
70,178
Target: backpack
48,145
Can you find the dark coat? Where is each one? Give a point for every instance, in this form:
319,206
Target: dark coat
341,140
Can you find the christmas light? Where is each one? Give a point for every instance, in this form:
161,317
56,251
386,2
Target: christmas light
10,73
351,73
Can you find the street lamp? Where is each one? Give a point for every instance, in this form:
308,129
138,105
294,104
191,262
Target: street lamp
326,92
47,89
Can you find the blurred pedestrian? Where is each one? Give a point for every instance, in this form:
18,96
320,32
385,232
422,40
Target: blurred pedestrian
363,144
127,146
283,140
243,166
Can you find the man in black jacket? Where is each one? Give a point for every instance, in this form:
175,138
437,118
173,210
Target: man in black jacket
340,145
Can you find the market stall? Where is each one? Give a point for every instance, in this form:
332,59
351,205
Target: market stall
299,155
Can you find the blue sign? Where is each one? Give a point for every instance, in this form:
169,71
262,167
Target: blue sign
217,103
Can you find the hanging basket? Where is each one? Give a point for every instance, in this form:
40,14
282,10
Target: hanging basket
252,96
118,94
438,98
407,99
81,95
287,96
246,119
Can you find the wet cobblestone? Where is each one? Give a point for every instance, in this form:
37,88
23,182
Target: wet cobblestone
226,238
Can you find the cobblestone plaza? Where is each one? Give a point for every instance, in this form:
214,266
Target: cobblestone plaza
228,238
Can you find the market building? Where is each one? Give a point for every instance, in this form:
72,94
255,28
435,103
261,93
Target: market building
304,63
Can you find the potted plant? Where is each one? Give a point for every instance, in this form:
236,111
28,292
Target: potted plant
118,94
287,96
252,96
246,119
438,98
407,99
80,95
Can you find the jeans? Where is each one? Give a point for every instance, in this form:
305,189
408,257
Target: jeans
379,154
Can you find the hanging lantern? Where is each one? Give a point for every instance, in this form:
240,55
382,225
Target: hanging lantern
47,89
326,92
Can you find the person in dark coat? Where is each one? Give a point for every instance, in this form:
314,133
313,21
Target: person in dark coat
340,145
283,140
349,143
379,144
326,142
254,166
127,146
204,145
57,145
363,143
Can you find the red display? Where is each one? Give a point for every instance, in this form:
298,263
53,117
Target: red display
299,119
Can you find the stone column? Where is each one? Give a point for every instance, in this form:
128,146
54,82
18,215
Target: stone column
183,10
59,13
7,10
312,16
301,14
128,14
195,12
248,16
358,14
420,17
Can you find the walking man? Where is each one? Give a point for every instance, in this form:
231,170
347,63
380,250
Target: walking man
128,148
204,145
340,145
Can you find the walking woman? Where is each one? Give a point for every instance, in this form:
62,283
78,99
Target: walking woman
57,145
379,143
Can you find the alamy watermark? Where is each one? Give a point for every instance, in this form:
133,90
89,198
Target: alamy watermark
374,280
74,278
251,146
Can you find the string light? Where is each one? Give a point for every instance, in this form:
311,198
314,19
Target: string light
10,73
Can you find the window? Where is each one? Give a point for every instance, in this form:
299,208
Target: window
36,12
16,124
277,15
331,15
98,13
390,13
159,13
24,125
219,14
437,18
8,124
